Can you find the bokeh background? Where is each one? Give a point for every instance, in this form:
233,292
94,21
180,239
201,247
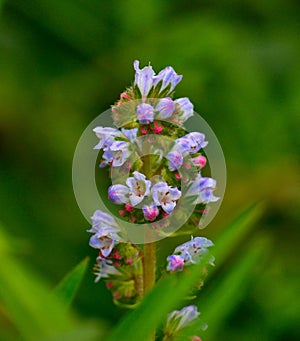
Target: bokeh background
63,62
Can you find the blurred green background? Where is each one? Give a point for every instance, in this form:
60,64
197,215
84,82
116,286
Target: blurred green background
63,62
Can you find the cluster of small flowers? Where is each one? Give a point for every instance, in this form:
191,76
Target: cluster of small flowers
118,262
162,195
148,108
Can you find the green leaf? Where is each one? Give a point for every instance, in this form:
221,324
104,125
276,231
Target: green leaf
233,233
69,285
35,312
217,304
168,293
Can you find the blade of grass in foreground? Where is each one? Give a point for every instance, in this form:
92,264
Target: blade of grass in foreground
169,292
69,285
35,312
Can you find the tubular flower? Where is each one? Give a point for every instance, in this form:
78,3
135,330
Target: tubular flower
165,108
145,113
106,136
186,109
203,188
175,160
167,77
179,319
191,143
105,232
165,196
150,212
192,251
139,187
134,193
145,79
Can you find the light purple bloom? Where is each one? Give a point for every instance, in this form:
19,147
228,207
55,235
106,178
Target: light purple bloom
105,232
193,250
130,134
165,108
145,113
167,76
203,188
102,220
165,196
176,263
178,319
150,212
175,159
120,153
143,78
139,187
103,269
186,109
106,136
118,194
191,143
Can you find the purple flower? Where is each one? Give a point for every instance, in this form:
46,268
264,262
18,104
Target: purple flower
139,187
193,250
130,134
103,269
165,107
106,136
120,151
178,319
186,109
203,188
105,232
115,152
176,263
134,193
175,159
150,212
145,113
143,78
191,143
167,77
165,196
118,194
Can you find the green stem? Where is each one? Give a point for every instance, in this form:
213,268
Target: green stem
149,248
149,266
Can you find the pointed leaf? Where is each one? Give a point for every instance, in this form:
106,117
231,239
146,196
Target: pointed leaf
69,285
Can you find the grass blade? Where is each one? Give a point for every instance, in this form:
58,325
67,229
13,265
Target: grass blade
69,285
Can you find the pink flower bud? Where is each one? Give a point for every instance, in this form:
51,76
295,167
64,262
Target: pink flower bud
144,131
128,208
177,176
199,161
157,128
122,212
124,95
